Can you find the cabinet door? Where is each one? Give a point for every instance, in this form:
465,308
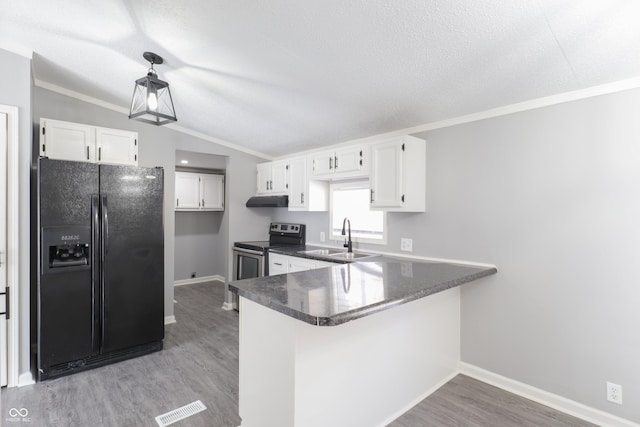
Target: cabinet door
187,191
323,264
348,159
298,182
386,174
117,146
263,178
67,141
323,163
300,264
212,189
278,264
279,178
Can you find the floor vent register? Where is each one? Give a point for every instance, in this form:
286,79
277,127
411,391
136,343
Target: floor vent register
180,413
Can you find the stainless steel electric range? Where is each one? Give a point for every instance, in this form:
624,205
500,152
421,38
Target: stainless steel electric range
251,259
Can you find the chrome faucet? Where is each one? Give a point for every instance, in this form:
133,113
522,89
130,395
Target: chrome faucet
347,243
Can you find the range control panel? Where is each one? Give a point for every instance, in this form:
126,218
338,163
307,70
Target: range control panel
278,228
288,234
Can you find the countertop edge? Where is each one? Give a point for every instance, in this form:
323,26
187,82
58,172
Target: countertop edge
348,316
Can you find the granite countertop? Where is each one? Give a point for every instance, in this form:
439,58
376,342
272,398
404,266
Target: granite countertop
338,294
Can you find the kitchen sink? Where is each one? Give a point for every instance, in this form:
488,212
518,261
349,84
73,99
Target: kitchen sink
350,255
331,252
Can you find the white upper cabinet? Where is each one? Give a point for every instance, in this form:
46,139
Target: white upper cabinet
117,146
272,178
199,192
84,143
212,192
341,163
398,175
67,141
304,194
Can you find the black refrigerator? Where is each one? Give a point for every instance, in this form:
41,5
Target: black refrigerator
100,291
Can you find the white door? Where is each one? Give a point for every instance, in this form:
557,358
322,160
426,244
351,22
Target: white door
386,175
67,141
187,191
212,191
118,147
298,183
348,159
3,250
279,179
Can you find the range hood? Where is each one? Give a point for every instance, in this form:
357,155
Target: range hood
268,202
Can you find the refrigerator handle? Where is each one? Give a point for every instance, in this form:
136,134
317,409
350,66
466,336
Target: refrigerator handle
104,247
95,256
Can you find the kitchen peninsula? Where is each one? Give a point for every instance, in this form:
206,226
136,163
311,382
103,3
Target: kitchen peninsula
350,345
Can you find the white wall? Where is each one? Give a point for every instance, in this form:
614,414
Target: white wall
552,197
15,90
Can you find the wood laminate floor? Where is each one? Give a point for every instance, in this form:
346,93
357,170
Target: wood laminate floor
200,362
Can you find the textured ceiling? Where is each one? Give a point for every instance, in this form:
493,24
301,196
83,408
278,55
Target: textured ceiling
280,76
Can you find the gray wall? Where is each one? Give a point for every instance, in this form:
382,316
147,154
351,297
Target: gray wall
552,197
15,90
200,245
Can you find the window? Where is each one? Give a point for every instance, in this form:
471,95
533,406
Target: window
351,200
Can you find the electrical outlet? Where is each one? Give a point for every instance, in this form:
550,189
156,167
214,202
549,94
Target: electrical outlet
406,245
614,393
322,236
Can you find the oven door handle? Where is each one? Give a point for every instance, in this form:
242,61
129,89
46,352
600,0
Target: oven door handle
248,251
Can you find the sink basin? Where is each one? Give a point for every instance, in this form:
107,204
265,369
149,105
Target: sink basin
331,252
350,255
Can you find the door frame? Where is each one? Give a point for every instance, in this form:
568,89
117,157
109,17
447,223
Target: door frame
13,245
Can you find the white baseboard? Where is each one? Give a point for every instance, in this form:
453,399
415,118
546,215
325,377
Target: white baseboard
546,398
227,306
25,379
203,279
420,399
169,319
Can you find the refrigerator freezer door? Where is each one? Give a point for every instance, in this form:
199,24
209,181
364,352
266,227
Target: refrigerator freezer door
65,293
133,276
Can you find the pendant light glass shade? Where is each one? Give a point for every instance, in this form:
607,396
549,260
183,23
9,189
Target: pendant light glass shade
152,102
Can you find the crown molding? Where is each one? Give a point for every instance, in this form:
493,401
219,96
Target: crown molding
113,107
590,92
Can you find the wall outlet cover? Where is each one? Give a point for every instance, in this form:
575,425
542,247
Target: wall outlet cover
323,236
614,393
406,244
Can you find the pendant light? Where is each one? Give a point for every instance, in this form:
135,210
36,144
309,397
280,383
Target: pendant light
152,101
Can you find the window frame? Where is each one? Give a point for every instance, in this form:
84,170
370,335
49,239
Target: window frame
355,184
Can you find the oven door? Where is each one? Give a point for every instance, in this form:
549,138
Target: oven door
248,264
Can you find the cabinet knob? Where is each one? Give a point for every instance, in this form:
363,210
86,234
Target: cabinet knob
371,200
335,162
177,202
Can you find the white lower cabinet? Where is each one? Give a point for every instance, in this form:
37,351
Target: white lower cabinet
278,264
301,264
281,264
199,192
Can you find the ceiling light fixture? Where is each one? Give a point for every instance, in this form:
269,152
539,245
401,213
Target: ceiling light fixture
152,102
